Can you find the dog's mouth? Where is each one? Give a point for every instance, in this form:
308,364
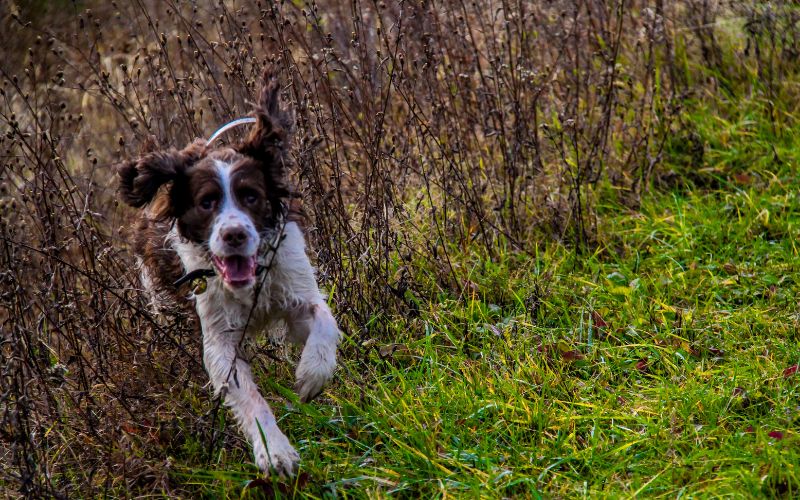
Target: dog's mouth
237,271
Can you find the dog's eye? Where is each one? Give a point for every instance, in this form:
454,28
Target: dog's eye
208,202
249,197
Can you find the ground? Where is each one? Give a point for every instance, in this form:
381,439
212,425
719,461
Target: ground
559,237
662,363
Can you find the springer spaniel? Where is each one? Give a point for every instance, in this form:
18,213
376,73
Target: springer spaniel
223,221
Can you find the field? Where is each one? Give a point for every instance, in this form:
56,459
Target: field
560,239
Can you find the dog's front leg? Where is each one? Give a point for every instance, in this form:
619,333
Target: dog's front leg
231,377
313,325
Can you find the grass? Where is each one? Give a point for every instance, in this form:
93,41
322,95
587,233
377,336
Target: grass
659,365
658,360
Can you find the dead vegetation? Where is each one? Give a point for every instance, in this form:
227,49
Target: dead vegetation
423,129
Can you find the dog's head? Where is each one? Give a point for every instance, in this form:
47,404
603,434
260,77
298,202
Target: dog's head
222,199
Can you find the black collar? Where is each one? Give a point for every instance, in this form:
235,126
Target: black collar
206,273
197,273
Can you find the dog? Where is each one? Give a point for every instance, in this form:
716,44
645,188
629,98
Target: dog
222,217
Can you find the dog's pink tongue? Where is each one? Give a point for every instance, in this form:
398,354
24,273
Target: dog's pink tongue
238,268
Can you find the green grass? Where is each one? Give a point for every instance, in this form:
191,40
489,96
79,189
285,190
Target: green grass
654,366
659,365
660,362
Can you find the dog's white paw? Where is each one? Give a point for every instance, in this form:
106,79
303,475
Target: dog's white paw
315,369
279,455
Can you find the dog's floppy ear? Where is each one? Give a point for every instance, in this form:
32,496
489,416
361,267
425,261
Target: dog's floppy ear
140,179
268,140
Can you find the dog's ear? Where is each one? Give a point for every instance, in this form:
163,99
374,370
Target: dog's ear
140,179
268,140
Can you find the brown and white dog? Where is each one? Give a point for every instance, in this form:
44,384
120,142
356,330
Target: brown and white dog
222,213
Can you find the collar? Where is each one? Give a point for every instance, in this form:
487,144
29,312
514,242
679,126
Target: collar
196,274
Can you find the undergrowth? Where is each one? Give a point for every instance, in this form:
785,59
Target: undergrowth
664,364
559,238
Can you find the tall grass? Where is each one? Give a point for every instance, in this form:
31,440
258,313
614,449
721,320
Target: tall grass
426,132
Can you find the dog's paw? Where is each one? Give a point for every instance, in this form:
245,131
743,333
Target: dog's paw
314,371
278,456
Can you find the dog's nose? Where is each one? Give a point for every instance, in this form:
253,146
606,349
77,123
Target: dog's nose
234,236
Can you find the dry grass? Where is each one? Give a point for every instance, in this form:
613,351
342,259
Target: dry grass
426,132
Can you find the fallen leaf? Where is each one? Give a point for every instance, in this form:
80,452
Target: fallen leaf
396,351
777,435
641,365
598,320
265,487
284,490
572,355
302,480
790,371
130,429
